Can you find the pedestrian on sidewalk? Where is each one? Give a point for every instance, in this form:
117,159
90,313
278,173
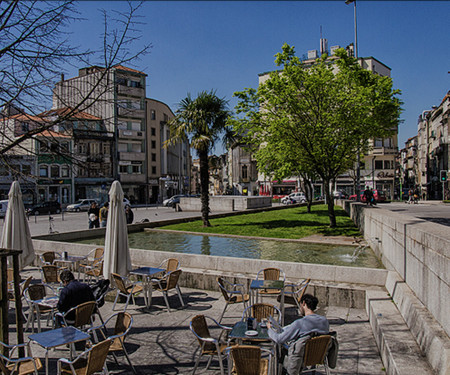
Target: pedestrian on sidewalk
129,214
93,215
104,214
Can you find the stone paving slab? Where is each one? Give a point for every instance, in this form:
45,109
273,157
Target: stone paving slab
161,342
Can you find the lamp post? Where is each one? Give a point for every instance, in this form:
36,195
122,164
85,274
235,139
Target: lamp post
358,169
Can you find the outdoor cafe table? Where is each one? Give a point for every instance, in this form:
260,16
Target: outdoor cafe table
72,261
238,333
57,337
257,285
147,273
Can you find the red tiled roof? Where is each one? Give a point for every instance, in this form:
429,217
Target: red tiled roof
25,117
121,67
79,115
50,133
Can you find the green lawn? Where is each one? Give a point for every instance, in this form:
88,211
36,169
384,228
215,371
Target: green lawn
290,223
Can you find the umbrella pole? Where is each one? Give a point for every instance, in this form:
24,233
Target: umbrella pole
18,298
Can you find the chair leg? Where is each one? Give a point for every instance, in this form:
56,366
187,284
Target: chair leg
117,297
197,362
128,358
128,301
179,295
166,300
222,372
209,362
223,312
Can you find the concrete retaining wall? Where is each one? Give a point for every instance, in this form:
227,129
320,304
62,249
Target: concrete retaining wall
418,253
226,203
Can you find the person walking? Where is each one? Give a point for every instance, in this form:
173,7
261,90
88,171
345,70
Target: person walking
104,214
129,214
93,215
410,196
368,196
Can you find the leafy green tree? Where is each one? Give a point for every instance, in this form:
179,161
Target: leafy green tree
203,121
314,118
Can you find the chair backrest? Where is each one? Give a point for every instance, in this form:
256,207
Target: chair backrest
10,274
172,264
97,357
172,279
123,324
36,291
83,313
302,287
120,284
261,311
271,273
223,289
48,257
200,328
25,285
50,273
99,251
247,359
316,349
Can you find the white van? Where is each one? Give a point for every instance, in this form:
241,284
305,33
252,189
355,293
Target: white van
3,208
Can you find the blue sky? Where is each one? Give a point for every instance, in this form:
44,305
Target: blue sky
223,46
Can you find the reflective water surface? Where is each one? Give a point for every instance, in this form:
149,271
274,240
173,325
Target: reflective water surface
249,248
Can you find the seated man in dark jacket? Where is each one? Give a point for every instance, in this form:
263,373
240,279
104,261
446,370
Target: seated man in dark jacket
73,294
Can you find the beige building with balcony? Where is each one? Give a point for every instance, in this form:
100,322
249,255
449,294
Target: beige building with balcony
118,97
168,168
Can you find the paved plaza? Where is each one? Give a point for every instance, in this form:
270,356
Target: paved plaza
161,342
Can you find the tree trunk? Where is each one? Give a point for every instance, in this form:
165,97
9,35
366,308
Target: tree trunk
309,194
204,184
330,204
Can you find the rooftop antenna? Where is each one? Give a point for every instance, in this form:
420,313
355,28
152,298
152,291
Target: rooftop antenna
323,43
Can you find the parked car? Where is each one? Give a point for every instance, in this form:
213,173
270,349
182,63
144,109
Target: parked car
171,202
297,197
81,205
126,202
51,207
378,195
339,194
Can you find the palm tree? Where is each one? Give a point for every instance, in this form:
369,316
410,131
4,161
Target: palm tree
202,120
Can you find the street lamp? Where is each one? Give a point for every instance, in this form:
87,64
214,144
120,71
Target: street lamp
358,169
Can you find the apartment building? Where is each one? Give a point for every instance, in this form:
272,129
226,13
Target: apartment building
117,96
408,164
169,167
242,171
433,150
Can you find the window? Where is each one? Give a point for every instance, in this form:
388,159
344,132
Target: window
387,142
122,147
94,148
152,114
43,171
378,142
123,169
388,164
135,126
153,156
43,147
122,125
153,170
153,144
82,148
136,168
25,126
244,172
166,118
65,147
54,171
4,171
105,147
378,164
65,171
154,131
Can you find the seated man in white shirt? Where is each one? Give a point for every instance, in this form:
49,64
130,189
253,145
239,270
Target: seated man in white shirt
311,322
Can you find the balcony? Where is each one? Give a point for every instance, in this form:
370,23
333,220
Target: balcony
131,134
133,178
130,91
384,151
132,156
131,112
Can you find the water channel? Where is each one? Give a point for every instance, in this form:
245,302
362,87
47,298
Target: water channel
248,248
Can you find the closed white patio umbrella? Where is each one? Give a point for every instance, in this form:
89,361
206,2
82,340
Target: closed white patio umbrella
117,253
16,233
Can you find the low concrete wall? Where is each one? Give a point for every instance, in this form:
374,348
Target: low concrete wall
226,203
418,253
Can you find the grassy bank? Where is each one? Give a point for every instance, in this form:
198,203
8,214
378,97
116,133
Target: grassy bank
291,223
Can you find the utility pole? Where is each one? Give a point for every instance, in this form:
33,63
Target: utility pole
358,156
